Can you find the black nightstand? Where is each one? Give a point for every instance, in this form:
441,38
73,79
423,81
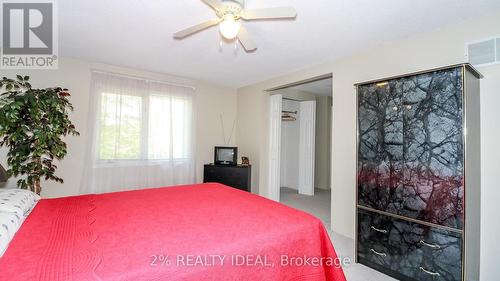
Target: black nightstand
239,177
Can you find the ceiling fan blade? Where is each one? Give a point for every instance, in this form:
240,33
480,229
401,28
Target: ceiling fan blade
215,4
245,40
269,13
196,28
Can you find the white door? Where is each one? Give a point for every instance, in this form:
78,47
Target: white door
307,147
274,146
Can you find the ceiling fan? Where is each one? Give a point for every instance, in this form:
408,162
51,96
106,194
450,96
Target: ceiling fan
229,12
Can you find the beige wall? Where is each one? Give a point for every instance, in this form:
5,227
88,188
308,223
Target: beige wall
211,102
434,49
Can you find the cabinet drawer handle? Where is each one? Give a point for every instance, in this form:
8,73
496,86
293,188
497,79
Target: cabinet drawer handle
430,272
379,230
433,246
378,253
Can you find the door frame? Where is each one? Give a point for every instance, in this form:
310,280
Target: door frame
275,107
274,143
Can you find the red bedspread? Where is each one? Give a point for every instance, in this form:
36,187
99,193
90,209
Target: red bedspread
198,232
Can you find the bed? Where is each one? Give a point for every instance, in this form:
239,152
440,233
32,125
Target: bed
196,232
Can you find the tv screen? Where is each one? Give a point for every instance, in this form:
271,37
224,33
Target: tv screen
226,155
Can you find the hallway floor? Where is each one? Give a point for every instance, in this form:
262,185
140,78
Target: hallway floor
319,206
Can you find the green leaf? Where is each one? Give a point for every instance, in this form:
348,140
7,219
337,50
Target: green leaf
33,124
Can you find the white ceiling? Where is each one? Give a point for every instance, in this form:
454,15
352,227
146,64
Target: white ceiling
322,87
138,34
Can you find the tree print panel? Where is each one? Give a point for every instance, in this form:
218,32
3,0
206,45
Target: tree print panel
380,147
410,150
433,148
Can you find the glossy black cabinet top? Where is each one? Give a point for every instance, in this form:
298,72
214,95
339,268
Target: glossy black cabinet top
410,154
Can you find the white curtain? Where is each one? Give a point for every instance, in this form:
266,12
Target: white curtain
141,134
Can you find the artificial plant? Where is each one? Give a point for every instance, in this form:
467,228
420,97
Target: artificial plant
33,123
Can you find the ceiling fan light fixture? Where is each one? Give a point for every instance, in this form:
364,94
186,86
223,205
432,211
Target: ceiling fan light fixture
229,27
229,13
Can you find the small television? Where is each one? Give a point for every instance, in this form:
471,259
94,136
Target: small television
225,155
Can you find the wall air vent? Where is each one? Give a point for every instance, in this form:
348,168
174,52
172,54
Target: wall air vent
498,49
484,52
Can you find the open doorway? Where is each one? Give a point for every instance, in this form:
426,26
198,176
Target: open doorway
300,163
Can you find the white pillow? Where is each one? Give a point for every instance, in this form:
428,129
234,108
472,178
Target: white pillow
4,240
10,222
9,225
18,201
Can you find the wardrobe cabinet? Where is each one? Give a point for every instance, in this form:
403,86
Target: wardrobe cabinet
418,175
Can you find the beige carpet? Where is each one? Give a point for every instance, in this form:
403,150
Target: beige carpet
319,206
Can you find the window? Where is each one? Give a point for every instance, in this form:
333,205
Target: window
142,134
147,121
120,127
